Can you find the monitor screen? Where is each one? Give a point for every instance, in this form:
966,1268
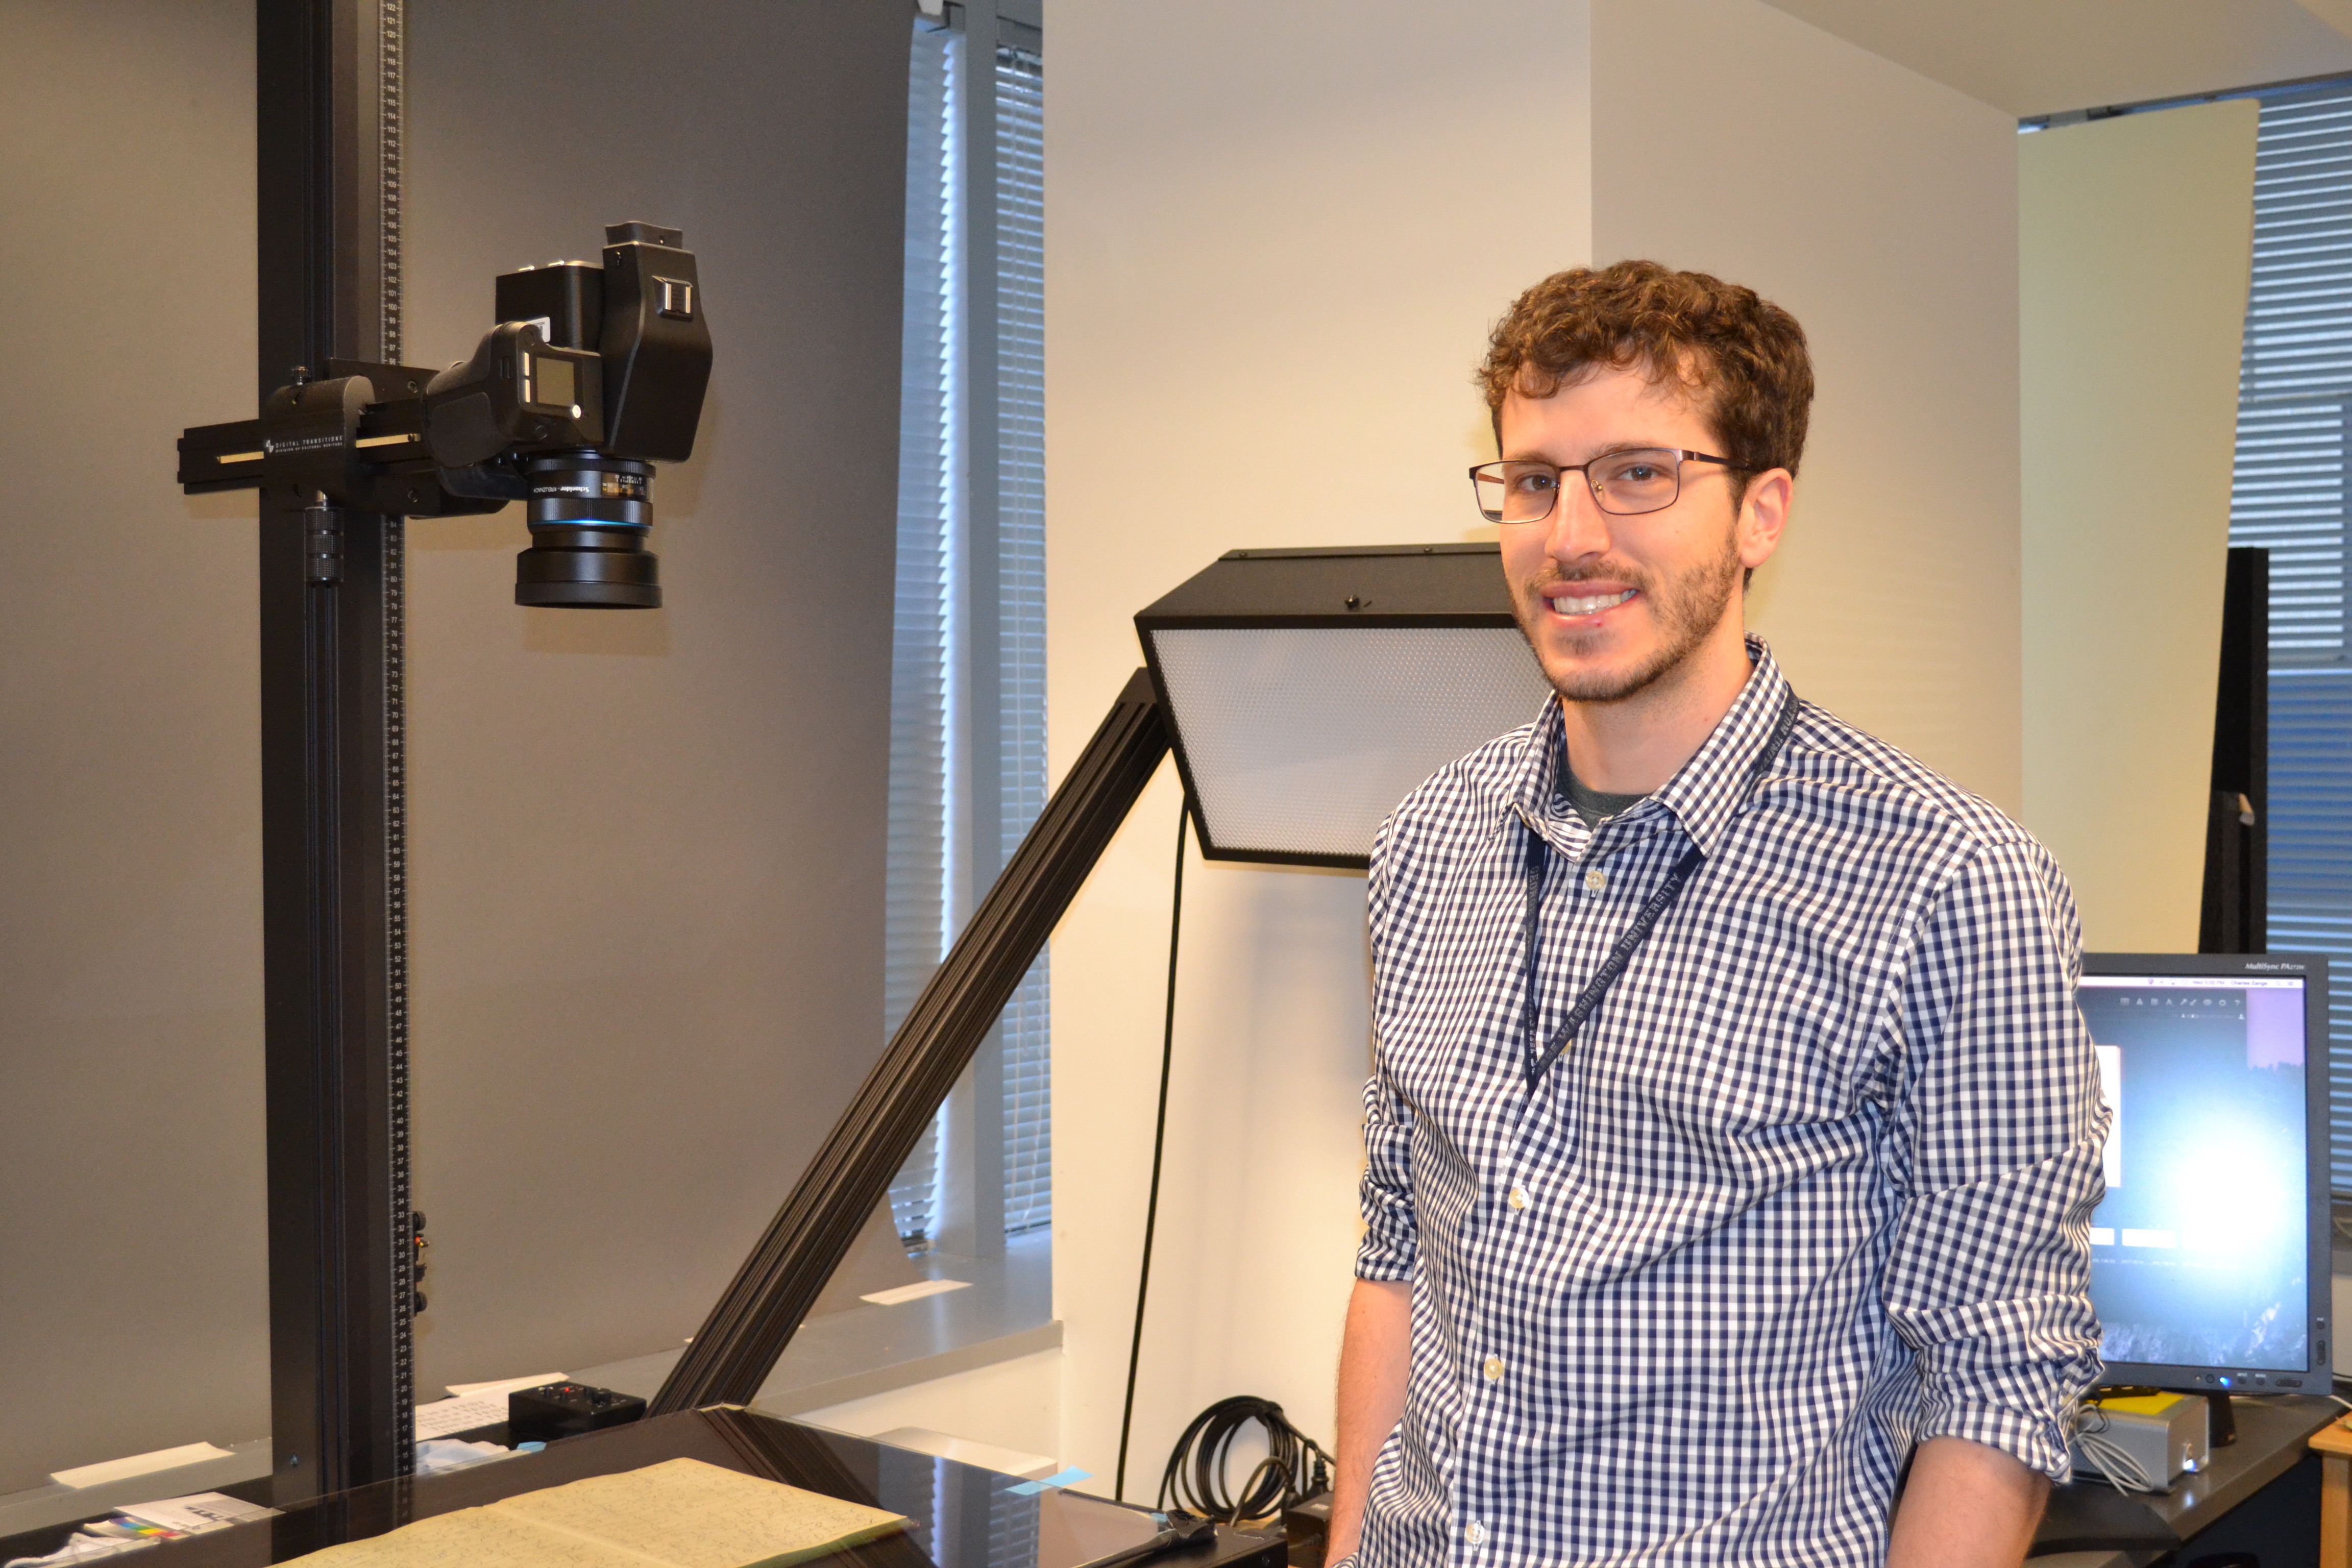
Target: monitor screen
2209,1252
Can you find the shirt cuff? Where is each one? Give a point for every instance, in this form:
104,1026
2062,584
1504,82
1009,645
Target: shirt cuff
1383,1260
2037,1442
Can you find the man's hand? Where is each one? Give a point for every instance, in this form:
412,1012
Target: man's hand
1373,1358
1966,1506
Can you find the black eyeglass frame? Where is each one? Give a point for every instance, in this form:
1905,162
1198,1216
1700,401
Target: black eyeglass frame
1681,455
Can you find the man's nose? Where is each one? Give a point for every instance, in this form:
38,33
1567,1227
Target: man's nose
1578,527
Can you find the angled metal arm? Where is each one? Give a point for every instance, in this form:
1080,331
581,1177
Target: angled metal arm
762,1309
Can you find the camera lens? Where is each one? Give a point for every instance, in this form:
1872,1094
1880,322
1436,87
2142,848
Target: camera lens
589,519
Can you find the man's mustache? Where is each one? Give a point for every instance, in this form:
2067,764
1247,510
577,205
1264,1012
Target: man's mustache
1605,571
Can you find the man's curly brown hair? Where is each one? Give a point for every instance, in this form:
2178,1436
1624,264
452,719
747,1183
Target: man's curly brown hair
1739,357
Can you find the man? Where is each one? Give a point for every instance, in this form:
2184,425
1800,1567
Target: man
1734,1135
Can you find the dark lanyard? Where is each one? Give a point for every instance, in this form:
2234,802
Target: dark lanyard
1653,910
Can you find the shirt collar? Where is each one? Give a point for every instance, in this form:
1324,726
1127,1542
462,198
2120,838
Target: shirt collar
1705,791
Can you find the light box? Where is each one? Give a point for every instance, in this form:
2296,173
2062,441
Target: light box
1307,691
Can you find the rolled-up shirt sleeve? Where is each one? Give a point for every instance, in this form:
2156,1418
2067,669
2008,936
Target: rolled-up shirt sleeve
1994,1146
1391,1242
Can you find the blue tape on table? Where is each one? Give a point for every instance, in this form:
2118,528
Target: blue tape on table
1069,1477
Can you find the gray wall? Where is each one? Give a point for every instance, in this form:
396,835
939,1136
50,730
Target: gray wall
132,1301
647,849
647,889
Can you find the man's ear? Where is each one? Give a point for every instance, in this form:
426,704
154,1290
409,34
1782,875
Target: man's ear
1764,515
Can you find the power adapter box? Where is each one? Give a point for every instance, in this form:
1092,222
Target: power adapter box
2164,1434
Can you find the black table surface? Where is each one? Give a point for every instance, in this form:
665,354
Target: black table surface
2090,1515
960,1516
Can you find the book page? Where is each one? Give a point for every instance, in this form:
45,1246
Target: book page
689,1514
475,1537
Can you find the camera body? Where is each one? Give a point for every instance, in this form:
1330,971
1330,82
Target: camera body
592,374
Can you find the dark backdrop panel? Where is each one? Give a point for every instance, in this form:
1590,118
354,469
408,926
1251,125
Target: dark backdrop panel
132,1298
648,848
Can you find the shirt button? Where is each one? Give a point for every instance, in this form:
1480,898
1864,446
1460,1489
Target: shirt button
1494,1369
1476,1534
1518,1198
1595,880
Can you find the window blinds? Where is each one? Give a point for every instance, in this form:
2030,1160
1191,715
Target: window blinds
1021,558
931,641
2288,496
918,896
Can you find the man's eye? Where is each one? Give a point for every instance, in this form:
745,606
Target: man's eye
1638,473
1535,484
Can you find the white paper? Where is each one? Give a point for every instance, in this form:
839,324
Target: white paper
916,1291
138,1464
443,1416
506,1384
81,1546
435,1455
201,1510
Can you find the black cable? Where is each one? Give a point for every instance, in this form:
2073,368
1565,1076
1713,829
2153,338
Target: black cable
1158,1147
1295,1467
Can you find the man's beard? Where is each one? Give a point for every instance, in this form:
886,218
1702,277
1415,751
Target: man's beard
1687,609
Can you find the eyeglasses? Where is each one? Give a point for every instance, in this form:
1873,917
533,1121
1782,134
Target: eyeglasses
1646,479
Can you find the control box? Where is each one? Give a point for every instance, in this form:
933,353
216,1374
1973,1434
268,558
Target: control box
555,1410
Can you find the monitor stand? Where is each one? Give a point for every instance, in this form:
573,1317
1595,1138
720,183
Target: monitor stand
2221,1421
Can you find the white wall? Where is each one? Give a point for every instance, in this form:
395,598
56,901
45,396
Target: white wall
1275,238
1881,209
2136,243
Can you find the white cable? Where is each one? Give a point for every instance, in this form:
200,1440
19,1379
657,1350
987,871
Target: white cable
2113,1464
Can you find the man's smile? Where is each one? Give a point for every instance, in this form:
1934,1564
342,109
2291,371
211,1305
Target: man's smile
1585,602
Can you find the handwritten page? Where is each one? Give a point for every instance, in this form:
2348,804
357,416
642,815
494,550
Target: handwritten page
681,1514
689,1514
475,1537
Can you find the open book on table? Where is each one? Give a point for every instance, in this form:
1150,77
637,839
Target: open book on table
681,1514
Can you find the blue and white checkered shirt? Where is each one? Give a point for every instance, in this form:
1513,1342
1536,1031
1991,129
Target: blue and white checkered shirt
1813,1185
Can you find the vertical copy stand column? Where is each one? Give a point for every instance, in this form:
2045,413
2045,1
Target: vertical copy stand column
334,921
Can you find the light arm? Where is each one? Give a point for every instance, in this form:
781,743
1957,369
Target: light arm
1966,1506
1373,1357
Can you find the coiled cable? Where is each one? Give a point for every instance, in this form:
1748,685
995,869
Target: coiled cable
1295,1467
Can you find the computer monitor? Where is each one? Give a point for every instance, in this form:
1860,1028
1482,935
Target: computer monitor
2210,1253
